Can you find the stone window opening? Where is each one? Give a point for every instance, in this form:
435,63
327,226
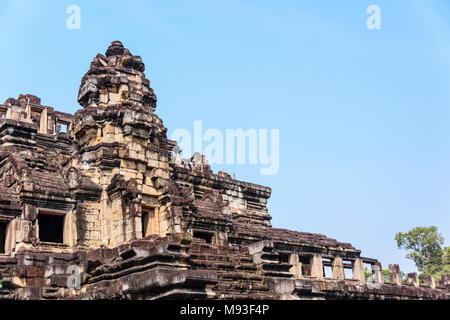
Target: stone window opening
327,264
38,114
3,231
148,222
368,271
63,127
348,269
306,265
283,257
51,227
205,235
3,112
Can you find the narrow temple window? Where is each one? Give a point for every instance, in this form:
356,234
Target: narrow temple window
207,236
368,273
306,267
51,227
348,273
348,269
283,257
148,215
62,127
3,229
328,272
327,268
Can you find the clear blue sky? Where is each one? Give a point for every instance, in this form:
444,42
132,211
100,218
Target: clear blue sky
363,114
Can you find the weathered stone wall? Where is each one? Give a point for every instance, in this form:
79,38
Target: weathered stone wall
177,267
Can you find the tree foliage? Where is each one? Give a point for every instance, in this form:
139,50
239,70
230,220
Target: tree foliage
426,249
367,273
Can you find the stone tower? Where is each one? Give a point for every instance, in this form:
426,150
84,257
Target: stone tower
121,145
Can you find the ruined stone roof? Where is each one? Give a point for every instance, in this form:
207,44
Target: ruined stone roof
117,68
262,232
9,200
49,181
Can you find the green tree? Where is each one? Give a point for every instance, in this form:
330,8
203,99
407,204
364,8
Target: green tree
367,273
445,269
386,275
427,250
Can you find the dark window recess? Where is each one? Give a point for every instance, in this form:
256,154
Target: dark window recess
203,235
3,229
283,257
51,228
147,219
306,268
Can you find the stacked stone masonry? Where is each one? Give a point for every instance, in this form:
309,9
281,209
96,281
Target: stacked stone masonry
101,190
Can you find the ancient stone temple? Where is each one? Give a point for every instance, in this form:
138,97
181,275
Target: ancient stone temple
96,205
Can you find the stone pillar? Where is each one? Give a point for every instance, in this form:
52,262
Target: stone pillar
358,270
296,268
13,228
429,282
395,275
8,113
316,266
8,239
44,122
69,233
106,218
118,220
28,111
377,273
445,281
413,279
338,269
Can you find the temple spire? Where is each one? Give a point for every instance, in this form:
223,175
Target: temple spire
116,77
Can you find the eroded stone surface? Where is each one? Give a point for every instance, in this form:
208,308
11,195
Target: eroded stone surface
108,196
